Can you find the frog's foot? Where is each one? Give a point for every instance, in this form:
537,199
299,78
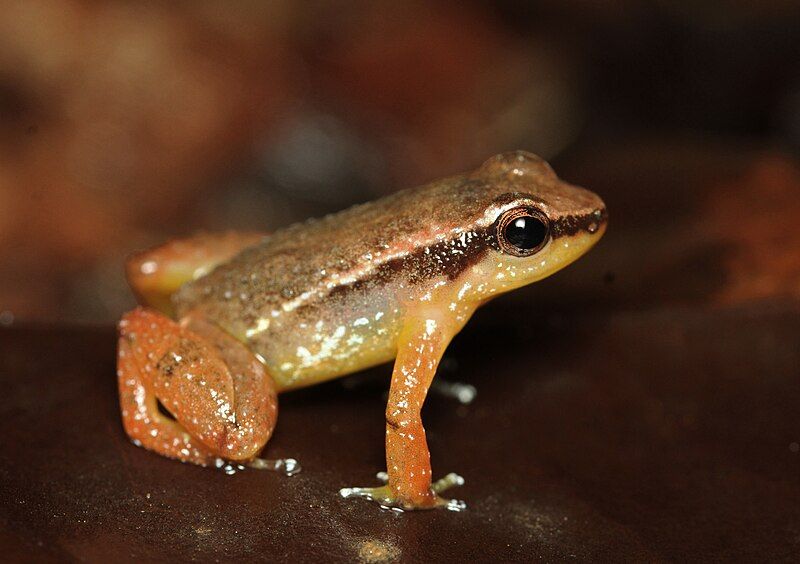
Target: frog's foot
288,466
384,496
219,400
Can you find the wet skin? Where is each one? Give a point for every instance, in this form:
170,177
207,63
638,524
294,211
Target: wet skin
231,320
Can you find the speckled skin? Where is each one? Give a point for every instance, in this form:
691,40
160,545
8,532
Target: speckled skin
392,279
328,297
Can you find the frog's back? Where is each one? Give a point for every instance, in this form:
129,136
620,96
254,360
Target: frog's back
322,256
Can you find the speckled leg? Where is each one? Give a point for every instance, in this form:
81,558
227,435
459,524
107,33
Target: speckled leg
409,486
155,274
223,401
145,424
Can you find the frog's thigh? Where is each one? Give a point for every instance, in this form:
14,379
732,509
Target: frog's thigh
218,392
155,274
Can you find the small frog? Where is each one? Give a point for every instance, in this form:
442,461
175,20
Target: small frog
231,320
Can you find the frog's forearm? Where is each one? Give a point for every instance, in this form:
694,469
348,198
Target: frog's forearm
420,348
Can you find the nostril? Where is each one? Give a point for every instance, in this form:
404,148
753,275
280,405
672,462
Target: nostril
598,218
600,215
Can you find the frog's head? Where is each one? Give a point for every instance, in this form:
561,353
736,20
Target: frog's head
535,223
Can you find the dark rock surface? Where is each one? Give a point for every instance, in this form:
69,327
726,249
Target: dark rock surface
669,434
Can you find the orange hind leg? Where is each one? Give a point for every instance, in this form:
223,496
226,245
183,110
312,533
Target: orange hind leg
155,274
222,404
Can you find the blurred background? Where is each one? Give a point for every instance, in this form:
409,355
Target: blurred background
125,123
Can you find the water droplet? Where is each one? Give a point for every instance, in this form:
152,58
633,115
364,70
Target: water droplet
593,227
456,505
291,466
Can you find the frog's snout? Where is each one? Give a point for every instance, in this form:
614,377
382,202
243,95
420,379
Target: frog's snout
589,218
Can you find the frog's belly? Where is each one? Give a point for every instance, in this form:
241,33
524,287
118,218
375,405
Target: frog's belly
313,344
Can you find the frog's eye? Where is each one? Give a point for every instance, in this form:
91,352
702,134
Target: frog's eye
522,231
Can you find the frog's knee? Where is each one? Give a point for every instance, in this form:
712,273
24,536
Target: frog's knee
157,273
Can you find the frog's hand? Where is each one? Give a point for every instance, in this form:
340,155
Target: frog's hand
223,401
420,347
155,274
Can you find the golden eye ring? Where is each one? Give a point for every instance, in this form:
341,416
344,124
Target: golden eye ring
522,231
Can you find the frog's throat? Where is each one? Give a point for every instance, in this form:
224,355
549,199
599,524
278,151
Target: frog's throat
498,273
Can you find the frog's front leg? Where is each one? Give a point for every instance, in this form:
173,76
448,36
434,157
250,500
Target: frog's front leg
223,401
420,347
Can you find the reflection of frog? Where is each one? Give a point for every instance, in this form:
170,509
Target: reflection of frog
396,278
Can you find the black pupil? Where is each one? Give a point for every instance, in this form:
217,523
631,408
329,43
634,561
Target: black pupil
526,232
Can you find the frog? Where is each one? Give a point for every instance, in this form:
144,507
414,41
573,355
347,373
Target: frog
227,321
